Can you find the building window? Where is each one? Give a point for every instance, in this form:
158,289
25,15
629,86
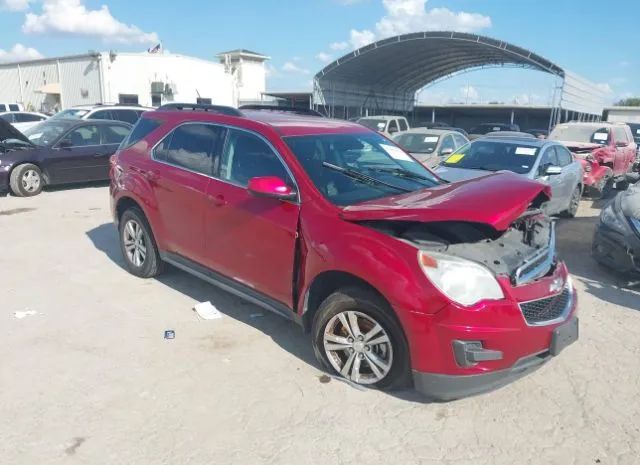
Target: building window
128,99
156,100
203,101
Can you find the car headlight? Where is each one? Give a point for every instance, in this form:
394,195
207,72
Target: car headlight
609,218
463,281
635,222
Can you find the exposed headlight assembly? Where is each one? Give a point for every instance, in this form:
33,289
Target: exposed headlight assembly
463,281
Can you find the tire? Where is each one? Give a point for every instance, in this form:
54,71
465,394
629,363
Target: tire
385,365
26,180
574,203
138,245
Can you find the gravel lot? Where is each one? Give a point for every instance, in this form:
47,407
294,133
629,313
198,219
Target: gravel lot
90,378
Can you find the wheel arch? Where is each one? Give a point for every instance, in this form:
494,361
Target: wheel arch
45,173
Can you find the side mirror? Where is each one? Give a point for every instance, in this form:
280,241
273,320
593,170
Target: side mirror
271,187
553,170
445,152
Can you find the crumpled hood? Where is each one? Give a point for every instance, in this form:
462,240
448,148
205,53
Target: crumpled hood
579,147
7,131
496,199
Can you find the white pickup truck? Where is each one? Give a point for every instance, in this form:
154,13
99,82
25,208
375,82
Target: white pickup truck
388,125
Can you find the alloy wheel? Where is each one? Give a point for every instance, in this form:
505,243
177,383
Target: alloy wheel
575,202
31,180
134,243
358,347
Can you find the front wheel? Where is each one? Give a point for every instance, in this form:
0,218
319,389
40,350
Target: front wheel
26,180
356,336
574,203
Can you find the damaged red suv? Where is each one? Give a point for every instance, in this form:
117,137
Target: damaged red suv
398,275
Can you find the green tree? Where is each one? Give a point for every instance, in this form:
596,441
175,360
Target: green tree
629,102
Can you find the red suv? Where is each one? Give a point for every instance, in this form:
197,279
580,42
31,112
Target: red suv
397,274
607,152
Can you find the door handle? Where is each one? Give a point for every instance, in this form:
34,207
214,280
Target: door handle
218,200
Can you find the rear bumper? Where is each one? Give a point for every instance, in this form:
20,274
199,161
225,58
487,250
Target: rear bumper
443,387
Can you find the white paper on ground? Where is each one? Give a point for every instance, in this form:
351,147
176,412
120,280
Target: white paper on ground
207,311
21,315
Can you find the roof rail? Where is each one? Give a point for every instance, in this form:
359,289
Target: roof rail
229,111
294,110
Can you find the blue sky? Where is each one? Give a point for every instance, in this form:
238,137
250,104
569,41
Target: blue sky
596,39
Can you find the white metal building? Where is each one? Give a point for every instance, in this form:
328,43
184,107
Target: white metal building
148,79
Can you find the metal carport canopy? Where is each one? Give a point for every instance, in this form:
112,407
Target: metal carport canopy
386,74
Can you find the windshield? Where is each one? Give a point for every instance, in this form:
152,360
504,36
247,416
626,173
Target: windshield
418,143
353,168
75,113
375,124
45,133
578,133
494,156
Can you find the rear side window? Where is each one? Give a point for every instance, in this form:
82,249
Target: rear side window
102,114
113,133
26,118
143,127
247,156
3,107
403,125
14,108
8,117
128,116
192,146
393,126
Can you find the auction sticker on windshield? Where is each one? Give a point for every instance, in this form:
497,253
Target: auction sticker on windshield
526,151
600,136
455,158
395,152
431,139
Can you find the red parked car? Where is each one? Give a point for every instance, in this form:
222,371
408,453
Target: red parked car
398,275
607,152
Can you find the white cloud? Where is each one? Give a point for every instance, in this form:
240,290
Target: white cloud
324,57
339,45
18,53
405,16
15,5
71,17
605,87
469,94
291,67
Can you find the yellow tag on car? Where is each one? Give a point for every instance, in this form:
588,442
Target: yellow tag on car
455,158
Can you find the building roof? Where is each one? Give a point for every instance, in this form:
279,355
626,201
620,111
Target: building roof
244,52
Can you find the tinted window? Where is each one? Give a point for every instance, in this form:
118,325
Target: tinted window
128,116
8,117
143,127
549,158
113,133
203,101
492,155
3,107
393,126
460,141
47,132
83,136
447,143
26,118
128,99
403,125
418,142
102,114
75,113
376,124
247,156
387,169
192,146
14,108
564,156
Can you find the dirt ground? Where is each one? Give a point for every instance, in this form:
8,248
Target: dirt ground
90,379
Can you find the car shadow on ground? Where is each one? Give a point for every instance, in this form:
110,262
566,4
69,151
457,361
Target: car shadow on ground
283,332
574,247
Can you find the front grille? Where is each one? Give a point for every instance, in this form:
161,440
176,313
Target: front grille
544,310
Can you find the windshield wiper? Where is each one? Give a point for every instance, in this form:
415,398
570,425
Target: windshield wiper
362,177
403,173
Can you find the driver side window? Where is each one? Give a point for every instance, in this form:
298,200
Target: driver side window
447,144
549,158
83,136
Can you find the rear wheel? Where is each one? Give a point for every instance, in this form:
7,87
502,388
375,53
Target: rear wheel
574,203
138,246
26,180
355,336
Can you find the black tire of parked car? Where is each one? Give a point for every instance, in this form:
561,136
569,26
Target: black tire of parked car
367,302
153,264
604,187
574,203
15,180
